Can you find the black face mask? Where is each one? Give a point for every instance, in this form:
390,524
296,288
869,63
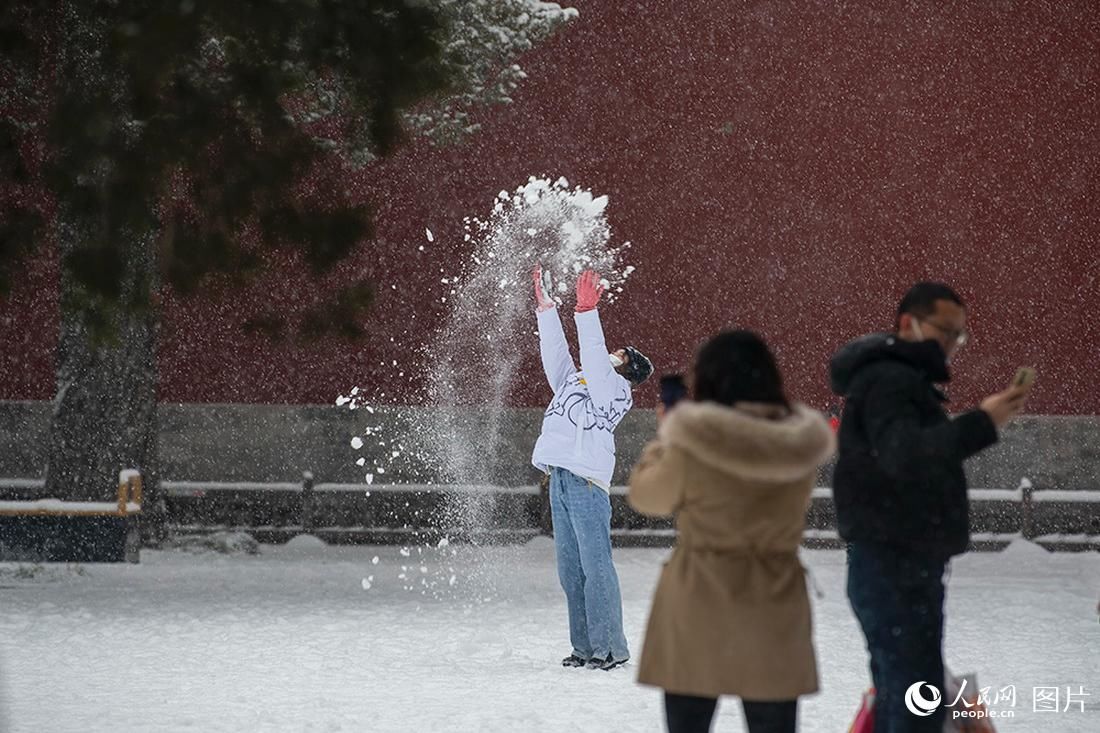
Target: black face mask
927,355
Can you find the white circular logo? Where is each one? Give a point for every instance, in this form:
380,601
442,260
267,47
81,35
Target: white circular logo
916,701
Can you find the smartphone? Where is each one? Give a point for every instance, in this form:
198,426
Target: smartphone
1024,377
673,389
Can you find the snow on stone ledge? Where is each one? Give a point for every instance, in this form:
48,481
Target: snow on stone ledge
57,506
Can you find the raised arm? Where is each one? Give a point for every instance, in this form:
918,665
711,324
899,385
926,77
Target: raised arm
604,383
902,445
556,359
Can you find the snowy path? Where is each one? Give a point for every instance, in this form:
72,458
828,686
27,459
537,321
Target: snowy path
293,640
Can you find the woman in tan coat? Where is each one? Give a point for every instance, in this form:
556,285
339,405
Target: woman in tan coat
731,615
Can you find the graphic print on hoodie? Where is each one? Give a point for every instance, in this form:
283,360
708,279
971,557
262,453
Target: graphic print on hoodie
578,425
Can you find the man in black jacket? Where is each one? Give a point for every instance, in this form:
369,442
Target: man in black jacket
900,494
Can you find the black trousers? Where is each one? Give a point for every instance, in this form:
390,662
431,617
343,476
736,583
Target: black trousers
894,590
690,714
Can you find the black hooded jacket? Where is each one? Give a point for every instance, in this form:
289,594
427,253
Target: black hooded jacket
899,476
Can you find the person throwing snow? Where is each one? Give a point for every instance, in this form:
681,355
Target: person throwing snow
577,449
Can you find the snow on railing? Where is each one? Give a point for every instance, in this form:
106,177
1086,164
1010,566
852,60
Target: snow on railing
128,502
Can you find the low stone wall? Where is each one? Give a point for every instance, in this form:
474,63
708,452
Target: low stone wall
277,443
421,514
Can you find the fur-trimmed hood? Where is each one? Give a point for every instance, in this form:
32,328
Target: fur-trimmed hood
754,441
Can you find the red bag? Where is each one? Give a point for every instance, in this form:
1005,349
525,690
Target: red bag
865,716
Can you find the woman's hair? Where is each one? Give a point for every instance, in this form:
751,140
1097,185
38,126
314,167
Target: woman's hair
737,366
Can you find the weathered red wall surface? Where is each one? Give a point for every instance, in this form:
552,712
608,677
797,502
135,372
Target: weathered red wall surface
786,167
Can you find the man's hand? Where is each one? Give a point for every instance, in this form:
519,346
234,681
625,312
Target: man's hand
589,291
544,301
1004,406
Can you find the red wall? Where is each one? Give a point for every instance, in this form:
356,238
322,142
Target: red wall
789,168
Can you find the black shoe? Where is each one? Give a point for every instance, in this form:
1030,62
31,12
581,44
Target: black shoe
573,661
606,663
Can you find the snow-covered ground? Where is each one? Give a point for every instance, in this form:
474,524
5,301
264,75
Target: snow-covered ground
312,638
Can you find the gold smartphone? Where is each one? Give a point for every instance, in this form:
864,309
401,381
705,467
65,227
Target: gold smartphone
1025,376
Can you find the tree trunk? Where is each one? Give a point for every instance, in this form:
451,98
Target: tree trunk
105,411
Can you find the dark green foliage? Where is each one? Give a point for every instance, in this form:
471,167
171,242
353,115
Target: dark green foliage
174,144
336,318
18,233
190,127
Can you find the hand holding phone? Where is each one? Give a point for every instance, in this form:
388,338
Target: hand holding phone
1004,406
1025,377
673,389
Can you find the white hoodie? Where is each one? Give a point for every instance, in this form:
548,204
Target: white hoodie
578,429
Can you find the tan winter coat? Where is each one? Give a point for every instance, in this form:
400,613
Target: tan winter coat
731,615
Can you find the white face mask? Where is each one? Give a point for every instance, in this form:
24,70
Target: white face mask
615,360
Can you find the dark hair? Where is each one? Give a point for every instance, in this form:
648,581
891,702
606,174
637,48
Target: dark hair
638,369
737,366
921,299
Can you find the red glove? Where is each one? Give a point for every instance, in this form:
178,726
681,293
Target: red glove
544,302
589,291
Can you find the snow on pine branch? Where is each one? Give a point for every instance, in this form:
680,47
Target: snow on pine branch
482,39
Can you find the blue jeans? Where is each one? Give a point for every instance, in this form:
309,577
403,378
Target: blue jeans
581,513
897,595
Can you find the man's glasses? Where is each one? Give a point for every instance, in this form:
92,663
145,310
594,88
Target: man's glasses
959,338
